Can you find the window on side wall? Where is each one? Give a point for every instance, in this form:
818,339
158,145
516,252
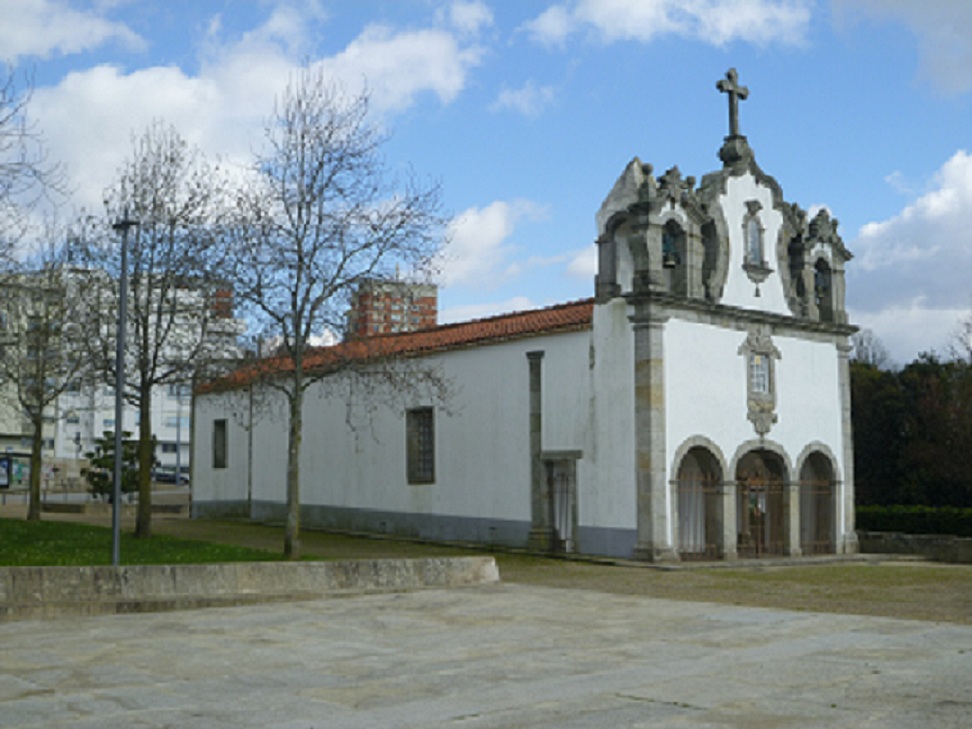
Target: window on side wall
420,445
219,443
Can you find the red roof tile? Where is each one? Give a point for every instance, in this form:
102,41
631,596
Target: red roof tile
572,316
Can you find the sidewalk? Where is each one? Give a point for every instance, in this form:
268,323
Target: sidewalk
493,657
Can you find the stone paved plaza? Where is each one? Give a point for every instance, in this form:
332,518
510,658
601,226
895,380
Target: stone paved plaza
496,656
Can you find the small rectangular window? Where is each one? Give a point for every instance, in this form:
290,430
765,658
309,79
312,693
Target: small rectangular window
759,374
420,445
219,443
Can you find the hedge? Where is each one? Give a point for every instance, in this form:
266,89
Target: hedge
948,520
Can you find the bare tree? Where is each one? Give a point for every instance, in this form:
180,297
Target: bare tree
869,350
961,344
179,305
26,174
321,214
41,333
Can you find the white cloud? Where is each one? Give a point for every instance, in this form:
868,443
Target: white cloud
909,328
44,28
398,66
481,311
478,252
943,29
469,17
89,117
935,227
899,183
528,100
552,26
717,22
583,264
912,270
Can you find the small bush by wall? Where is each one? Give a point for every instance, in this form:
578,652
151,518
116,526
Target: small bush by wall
947,520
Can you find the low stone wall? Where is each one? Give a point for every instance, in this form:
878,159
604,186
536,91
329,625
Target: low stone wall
98,507
50,592
931,546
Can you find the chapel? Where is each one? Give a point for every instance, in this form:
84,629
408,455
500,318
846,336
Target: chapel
696,407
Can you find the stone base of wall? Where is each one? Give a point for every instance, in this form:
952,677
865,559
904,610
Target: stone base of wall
51,592
930,546
97,507
505,533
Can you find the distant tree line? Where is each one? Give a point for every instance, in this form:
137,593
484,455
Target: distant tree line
913,426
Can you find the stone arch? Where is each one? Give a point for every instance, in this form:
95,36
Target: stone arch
822,448
699,476
761,469
715,261
818,481
675,256
823,289
614,261
766,444
789,254
699,441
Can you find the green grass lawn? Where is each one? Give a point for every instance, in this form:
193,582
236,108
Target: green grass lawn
34,543
920,591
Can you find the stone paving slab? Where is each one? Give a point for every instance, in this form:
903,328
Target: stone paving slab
492,657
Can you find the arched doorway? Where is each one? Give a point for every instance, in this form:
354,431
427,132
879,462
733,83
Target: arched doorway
699,484
760,504
817,505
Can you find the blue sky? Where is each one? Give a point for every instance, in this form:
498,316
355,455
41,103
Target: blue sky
527,111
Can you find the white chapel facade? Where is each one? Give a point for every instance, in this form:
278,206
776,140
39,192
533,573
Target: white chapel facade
697,407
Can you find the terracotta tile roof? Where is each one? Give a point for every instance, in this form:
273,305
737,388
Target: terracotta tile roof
568,317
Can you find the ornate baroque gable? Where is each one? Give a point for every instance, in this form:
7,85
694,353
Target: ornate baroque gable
665,234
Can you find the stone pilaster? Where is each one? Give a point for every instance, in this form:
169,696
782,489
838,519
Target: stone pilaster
727,512
840,289
791,516
695,253
606,281
846,536
653,543
541,531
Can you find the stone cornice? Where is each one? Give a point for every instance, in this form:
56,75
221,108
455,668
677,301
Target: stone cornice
662,304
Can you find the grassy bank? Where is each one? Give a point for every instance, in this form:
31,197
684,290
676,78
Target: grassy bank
24,543
920,591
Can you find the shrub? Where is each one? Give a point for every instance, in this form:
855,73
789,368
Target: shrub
949,520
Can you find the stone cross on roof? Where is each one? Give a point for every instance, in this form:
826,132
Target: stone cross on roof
730,85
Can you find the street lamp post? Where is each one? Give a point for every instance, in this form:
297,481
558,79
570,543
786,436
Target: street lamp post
122,226
180,389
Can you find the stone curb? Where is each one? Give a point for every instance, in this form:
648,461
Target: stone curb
52,592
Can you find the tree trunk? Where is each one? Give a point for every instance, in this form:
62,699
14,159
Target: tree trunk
292,532
36,466
146,456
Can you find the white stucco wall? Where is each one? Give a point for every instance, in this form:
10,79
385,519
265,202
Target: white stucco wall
218,484
740,290
607,494
482,438
705,392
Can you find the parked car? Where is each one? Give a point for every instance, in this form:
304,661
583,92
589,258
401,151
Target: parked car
169,475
